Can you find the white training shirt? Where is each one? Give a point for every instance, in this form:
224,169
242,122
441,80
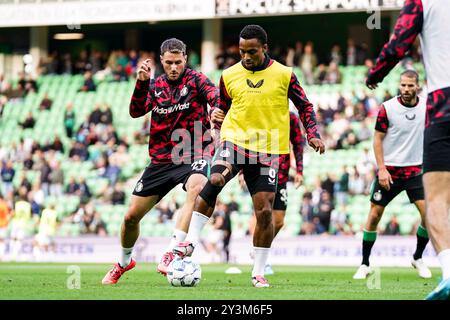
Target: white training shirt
403,143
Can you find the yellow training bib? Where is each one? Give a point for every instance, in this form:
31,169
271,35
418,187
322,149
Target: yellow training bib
258,119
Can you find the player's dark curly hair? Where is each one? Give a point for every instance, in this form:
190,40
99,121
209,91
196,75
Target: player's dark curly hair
173,45
410,74
253,31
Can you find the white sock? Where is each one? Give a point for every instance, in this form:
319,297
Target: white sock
444,259
177,237
198,221
261,255
125,259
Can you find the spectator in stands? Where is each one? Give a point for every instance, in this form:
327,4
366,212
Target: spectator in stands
78,152
356,184
56,179
56,145
351,52
335,55
333,74
95,115
72,187
118,195
308,62
165,213
84,191
69,120
45,177
29,121
324,210
7,173
298,52
307,208
46,103
392,227
328,184
92,222
82,64
112,171
119,73
106,117
88,84
343,188
25,183
320,74
364,132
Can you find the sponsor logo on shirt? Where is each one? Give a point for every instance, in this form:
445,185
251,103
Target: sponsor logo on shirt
171,109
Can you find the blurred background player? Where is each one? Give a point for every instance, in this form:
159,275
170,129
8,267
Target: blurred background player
398,148
19,224
254,94
178,101
281,195
44,244
5,216
429,18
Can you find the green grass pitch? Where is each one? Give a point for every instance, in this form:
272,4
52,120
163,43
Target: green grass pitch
49,281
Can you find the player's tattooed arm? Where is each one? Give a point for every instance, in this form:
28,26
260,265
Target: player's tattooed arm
407,28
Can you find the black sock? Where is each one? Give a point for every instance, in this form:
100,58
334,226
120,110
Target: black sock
421,244
367,247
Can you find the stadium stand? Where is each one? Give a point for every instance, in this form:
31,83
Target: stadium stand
64,89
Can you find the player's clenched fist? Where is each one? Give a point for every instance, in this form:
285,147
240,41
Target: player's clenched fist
144,69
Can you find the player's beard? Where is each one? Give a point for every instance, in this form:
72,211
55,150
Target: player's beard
408,98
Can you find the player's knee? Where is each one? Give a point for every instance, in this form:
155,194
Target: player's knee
217,180
264,217
209,193
194,190
130,220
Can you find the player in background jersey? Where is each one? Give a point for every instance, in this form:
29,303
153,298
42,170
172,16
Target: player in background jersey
179,152
5,217
20,223
254,95
281,196
44,244
398,148
429,19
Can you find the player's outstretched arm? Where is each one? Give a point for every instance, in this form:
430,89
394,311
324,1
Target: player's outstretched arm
306,113
408,26
142,100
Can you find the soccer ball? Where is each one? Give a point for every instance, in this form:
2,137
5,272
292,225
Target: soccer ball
183,272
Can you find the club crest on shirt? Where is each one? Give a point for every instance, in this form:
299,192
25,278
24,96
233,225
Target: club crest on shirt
184,91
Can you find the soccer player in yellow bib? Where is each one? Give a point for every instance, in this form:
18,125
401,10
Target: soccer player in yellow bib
254,95
43,240
21,219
